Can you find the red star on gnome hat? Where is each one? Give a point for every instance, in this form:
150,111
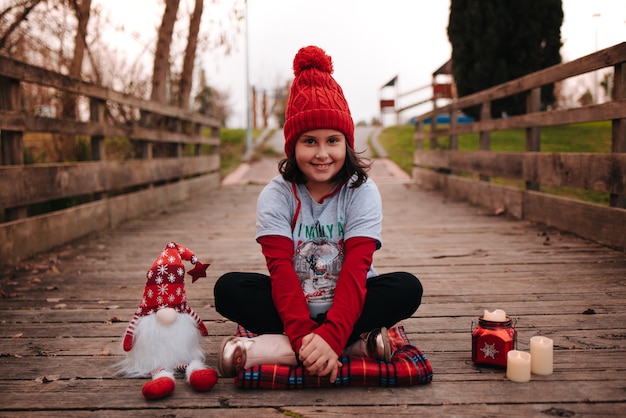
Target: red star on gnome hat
165,287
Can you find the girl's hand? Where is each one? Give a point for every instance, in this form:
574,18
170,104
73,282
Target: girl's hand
318,357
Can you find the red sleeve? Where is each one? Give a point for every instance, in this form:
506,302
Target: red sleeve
286,289
349,293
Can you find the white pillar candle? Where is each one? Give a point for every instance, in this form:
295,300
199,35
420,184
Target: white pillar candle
496,316
541,354
518,366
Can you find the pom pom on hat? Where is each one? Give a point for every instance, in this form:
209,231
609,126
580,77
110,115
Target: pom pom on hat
316,101
312,57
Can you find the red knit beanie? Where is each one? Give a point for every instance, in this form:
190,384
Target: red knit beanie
316,100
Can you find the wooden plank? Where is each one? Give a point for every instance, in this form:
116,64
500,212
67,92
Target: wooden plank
546,303
29,73
451,362
20,122
601,172
81,392
602,224
495,199
152,410
25,185
547,409
598,223
445,348
526,322
56,228
591,113
491,410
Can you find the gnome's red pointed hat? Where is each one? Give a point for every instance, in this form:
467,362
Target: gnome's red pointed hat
165,285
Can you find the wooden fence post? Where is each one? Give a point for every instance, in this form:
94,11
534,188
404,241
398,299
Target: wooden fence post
96,114
618,134
433,126
98,150
485,136
533,134
197,130
420,141
12,147
454,121
12,141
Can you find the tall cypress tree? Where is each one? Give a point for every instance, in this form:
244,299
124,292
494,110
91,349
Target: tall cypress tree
494,41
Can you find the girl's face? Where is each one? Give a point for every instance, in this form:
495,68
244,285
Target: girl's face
320,155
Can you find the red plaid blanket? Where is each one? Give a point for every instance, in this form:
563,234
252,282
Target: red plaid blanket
408,366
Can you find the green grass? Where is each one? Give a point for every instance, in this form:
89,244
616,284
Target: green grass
585,137
400,146
233,148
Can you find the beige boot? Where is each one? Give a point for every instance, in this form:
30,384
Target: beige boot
238,353
373,344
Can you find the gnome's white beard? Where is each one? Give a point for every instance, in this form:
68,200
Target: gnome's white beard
155,346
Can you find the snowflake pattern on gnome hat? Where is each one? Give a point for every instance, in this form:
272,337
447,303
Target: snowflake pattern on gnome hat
165,285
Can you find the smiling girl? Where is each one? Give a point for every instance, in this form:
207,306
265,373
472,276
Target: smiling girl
318,223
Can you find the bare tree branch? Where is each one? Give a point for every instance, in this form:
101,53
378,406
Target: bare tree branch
186,77
28,6
162,54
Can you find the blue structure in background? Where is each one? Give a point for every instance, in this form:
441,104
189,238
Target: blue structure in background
444,118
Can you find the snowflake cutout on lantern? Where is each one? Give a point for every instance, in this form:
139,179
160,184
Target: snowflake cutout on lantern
489,350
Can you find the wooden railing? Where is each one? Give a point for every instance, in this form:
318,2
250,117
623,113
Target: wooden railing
605,172
112,190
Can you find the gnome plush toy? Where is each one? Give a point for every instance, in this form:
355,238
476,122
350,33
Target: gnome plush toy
164,335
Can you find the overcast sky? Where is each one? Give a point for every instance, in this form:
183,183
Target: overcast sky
370,42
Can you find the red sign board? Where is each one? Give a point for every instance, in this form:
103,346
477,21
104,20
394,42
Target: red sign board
441,91
387,103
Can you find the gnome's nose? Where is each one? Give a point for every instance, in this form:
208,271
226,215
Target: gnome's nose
166,316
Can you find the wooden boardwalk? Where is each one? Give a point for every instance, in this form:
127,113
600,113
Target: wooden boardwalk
63,314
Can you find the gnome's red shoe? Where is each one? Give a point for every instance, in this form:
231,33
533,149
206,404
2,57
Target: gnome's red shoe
158,388
200,377
203,380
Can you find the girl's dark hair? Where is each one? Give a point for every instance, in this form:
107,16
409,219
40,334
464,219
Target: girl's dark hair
354,165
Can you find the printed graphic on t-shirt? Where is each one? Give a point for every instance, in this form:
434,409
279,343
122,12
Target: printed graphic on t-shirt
318,264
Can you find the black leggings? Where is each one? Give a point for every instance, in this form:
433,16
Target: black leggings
246,299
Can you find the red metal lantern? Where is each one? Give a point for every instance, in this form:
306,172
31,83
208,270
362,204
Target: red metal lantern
491,341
